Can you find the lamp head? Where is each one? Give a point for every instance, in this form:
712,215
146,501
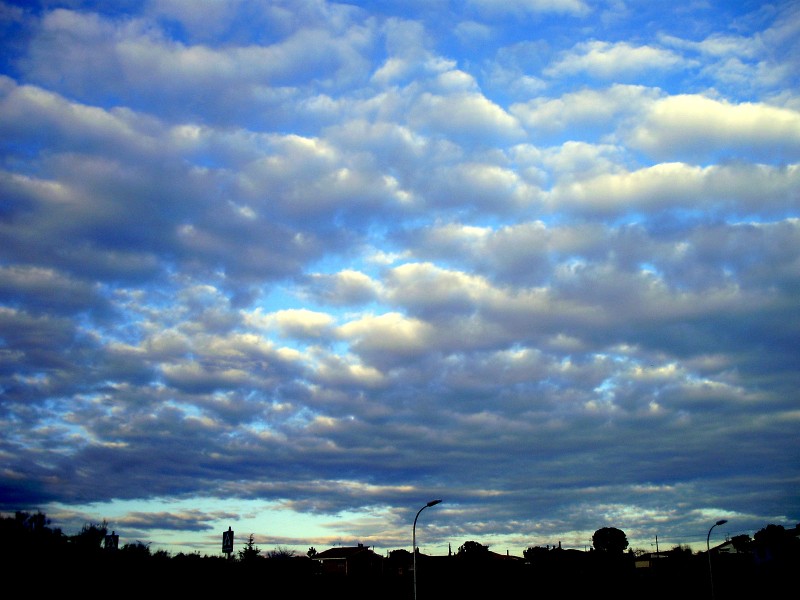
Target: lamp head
433,502
722,521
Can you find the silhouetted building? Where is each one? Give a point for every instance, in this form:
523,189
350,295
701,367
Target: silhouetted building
350,560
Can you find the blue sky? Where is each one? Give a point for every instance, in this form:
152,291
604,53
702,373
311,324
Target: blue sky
298,267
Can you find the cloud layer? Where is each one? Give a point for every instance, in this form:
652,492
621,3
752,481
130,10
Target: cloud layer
541,260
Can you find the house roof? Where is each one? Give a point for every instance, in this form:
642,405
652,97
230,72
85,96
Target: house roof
506,556
342,552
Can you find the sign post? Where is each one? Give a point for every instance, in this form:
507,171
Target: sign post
111,542
227,542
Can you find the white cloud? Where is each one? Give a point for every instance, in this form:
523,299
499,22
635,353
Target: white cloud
336,371
343,288
389,336
470,31
295,323
464,115
606,60
699,126
131,60
579,160
394,69
599,109
527,7
484,187
680,186
718,45
427,285
30,112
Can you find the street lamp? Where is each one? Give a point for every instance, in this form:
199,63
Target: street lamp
708,551
414,541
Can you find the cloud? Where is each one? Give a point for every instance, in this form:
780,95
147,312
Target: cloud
131,61
588,109
530,7
295,323
388,336
188,521
45,290
463,115
483,187
698,126
759,189
606,60
345,288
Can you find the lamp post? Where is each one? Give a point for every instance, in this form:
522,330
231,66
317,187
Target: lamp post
414,541
708,551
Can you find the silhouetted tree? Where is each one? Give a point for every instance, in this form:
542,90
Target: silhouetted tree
250,552
30,536
534,553
36,523
681,551
473,550
90,538
281,553
162,555
610,540
771,535
401,555
137,551
774,546
312,552
741,543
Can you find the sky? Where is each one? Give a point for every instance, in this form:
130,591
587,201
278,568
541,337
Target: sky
298,267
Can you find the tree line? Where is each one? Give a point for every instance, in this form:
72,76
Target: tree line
90,561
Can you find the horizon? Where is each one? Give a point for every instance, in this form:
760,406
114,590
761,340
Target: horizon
241,538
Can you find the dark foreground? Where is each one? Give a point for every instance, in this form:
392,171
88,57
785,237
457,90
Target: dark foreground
443,578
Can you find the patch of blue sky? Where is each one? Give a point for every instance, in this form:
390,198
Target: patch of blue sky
19,156
209,160
64,433
189,410
302,418
281,296
593,131
678,220
331,263
606,390
650,269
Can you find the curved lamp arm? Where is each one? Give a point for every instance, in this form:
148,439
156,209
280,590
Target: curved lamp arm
414,541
